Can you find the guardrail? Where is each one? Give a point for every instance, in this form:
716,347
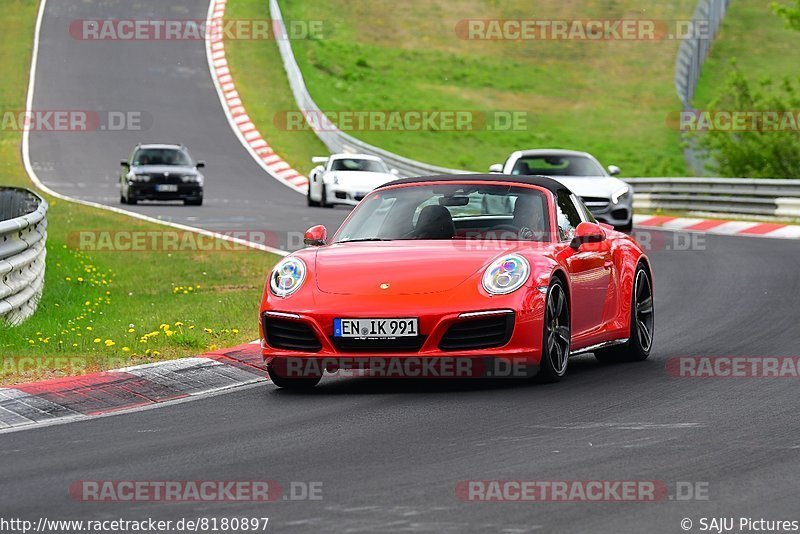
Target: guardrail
735,196
23,235
335,139
694,48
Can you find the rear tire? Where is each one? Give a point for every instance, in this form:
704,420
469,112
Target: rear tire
638,346
556,335
285,382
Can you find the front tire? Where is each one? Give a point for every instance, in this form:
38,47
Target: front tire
311,202
291,382
638,346
626,228
323,198
556,337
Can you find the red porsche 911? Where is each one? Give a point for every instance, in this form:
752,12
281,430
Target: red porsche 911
467,269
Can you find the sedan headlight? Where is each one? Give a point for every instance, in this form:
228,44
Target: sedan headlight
620,193
192,179
506,275
139,177
287,277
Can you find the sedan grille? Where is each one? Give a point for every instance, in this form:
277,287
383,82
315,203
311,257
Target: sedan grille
596,204
479,333
290,335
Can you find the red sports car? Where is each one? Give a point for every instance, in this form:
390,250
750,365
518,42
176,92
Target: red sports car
460,275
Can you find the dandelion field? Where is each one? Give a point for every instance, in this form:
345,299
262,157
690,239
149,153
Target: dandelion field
103,309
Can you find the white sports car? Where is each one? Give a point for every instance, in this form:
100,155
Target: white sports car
608,198
346,178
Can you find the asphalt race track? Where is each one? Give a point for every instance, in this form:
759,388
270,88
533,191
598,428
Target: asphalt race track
390,453
168,85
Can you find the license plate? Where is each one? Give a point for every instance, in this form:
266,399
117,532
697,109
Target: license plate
376,328
167,188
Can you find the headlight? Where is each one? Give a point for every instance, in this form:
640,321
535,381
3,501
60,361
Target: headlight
287,277
192,179
620,194
139,177
506,275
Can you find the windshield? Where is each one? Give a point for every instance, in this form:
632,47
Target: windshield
161,156
354,164
449,211
552,165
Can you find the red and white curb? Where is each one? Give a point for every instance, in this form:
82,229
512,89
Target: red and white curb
240,122
718,226
81,397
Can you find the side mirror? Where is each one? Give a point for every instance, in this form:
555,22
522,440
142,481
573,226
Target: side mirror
125,163
200,164
587,232
613,170
394,171
496,168
316,236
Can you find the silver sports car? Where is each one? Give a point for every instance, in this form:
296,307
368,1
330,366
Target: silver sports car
609,199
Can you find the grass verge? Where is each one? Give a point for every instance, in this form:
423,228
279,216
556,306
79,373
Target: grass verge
102,310
758,40
611,98
262,85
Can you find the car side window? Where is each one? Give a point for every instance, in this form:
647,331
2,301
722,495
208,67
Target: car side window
568,216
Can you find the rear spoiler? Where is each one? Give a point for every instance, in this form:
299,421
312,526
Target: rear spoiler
319,159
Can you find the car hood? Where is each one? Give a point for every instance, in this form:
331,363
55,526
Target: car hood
591,186
161,169
368,180
409,267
